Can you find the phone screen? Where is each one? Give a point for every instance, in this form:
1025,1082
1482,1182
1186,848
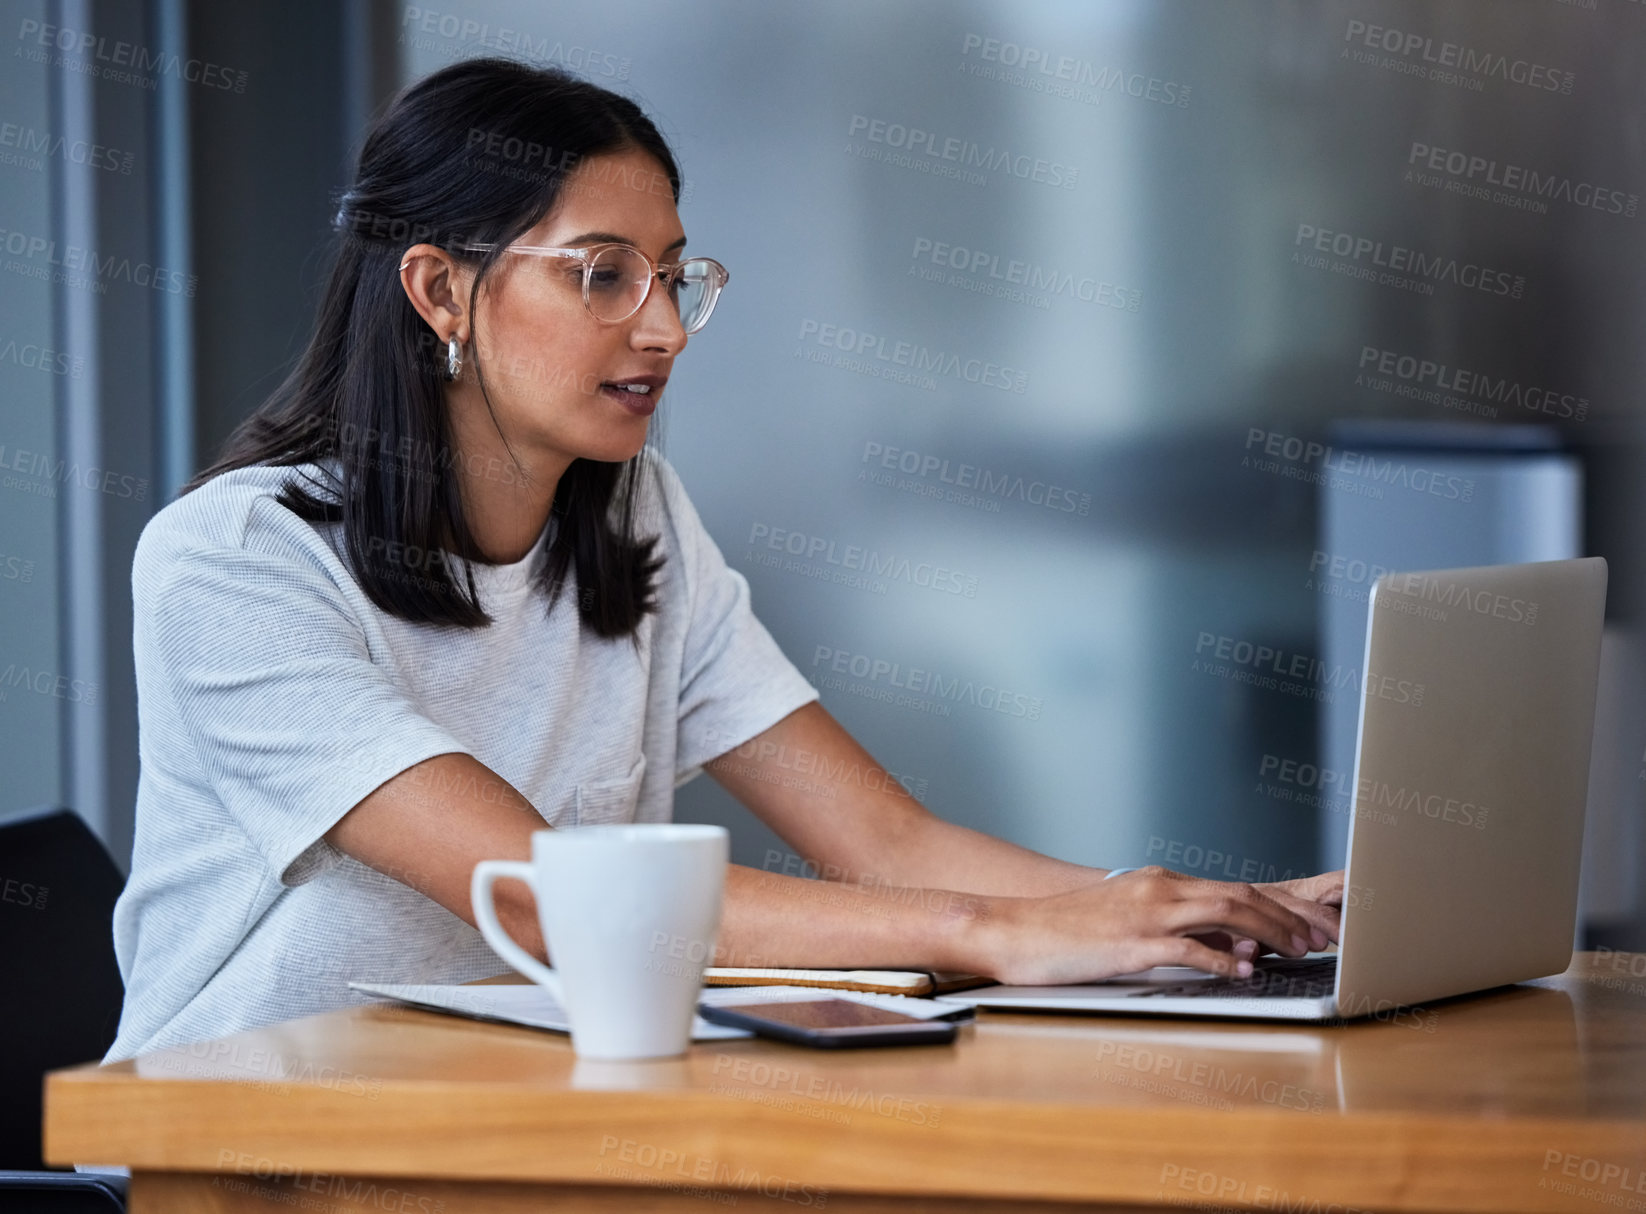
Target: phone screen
823,1014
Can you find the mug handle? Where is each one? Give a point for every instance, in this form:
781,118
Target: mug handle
485,917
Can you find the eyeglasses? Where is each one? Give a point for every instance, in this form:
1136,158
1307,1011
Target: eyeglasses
617,278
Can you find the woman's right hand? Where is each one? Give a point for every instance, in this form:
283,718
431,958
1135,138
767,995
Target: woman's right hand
1136,921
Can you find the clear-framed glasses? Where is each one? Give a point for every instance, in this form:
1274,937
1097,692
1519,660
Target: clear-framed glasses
617,278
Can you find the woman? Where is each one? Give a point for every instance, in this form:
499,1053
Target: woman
438,592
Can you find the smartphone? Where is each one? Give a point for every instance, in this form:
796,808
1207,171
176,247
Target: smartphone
829,1023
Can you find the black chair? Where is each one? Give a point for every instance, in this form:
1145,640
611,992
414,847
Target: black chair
60,999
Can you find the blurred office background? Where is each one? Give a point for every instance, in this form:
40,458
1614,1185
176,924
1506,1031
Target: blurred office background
1154,325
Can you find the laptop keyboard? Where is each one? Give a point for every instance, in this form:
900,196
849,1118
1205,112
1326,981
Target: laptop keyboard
1276,978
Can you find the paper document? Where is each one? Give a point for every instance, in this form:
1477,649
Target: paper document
532,1006
529,1005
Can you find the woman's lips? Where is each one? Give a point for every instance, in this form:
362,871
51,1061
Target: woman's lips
641,404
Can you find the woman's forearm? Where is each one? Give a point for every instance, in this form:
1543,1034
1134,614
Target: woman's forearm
771,920
1091,931
932,852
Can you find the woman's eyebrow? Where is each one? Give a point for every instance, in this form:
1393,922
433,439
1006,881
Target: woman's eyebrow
613,238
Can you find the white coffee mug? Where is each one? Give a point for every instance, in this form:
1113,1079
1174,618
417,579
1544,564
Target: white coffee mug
629,916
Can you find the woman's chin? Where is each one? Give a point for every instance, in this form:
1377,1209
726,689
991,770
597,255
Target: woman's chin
615,452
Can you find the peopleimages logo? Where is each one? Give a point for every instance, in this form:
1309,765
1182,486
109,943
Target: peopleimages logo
16,568
1003,485
1229,1190
1065,76
35,357
1424,588
1604,1173
1365,469
717,1175
1154,1066
47,683
40,474
1377,794
1474,176
1448,62
965,155
906,359
1327,568
78,266
29,141
867,561
1193,857
1399,265
518,44
1271,668
1306,784
85,53
976,263
1458,388
953,689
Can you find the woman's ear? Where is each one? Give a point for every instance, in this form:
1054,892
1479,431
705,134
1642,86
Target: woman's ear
434,283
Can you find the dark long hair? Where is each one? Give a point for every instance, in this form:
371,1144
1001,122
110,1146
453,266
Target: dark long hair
475,153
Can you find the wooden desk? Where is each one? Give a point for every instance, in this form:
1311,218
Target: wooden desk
1531,1098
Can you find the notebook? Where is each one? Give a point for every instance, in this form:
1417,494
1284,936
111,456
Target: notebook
885,982
530,1005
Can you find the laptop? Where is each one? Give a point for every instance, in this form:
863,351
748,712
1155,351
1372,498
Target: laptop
1471,777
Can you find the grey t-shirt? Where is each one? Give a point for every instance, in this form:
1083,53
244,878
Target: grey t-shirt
273,696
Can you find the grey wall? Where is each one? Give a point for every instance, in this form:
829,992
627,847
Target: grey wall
1256,123
200,193
31,733
80,277
266,173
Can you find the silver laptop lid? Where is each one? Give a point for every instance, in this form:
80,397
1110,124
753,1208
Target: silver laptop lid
1471,776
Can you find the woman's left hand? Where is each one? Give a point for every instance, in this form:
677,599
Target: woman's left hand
1318,899
1325,889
